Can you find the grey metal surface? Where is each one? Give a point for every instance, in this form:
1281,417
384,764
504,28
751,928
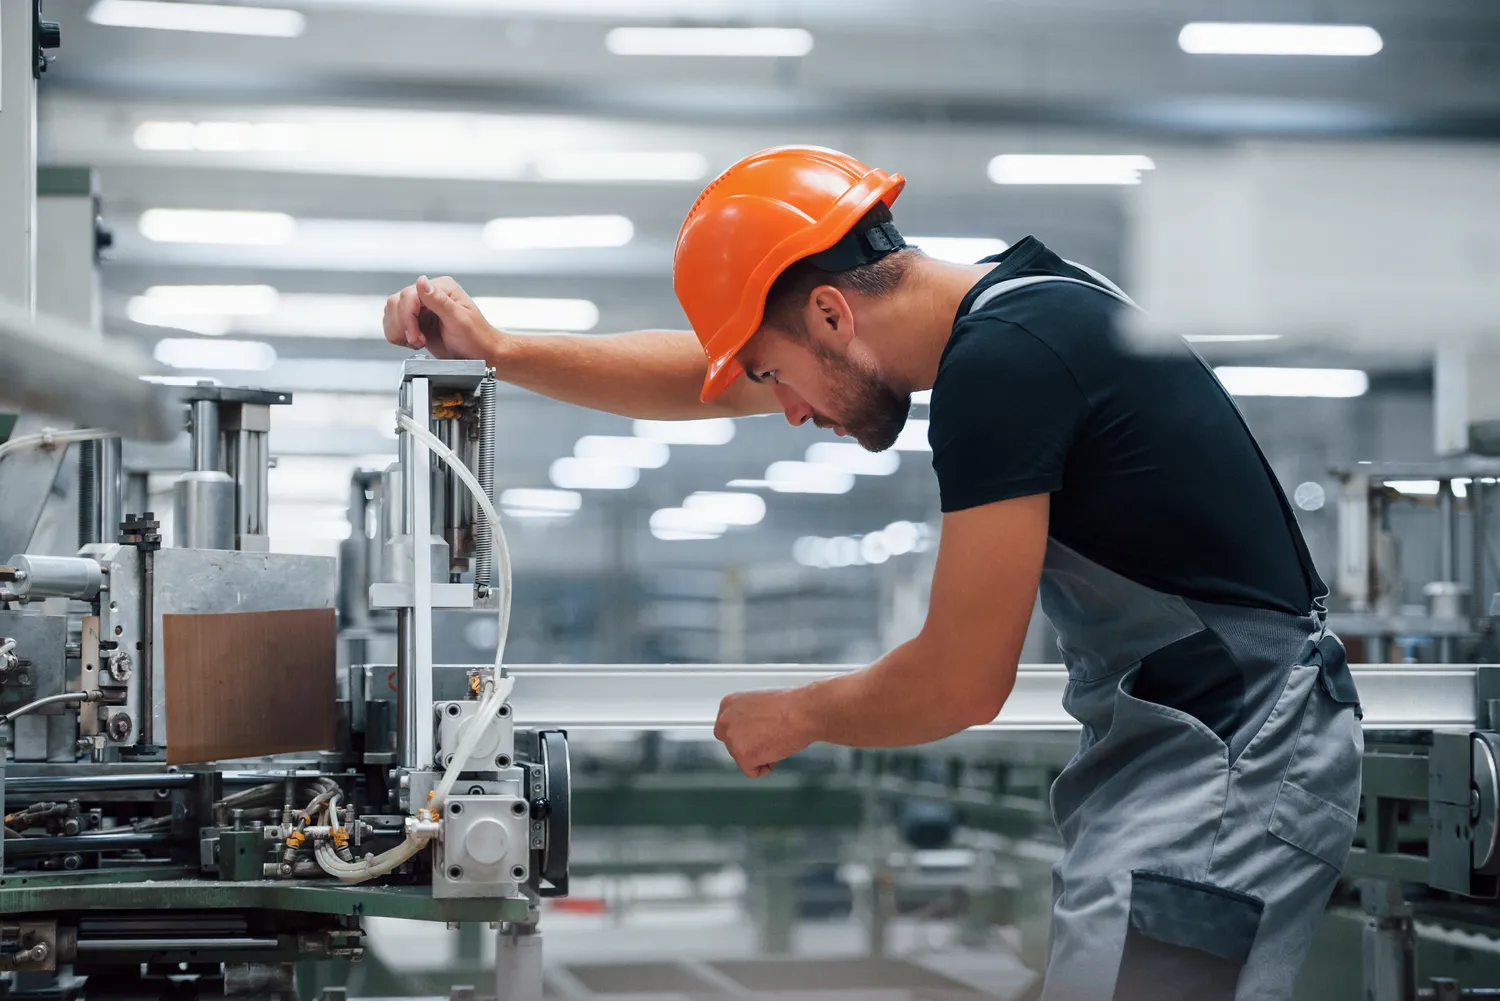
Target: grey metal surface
485,850
687,696
206,580
42,356
42,640
203,509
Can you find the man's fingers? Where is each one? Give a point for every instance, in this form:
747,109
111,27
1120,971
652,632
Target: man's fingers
406,314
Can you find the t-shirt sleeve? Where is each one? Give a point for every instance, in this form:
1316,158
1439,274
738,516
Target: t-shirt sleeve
1005,412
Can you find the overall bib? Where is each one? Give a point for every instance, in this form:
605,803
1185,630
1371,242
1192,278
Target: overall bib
1213,799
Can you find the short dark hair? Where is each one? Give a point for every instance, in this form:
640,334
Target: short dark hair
788,294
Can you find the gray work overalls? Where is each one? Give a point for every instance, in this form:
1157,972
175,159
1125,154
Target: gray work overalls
1196,863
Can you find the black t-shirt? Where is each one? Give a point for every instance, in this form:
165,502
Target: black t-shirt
1151,469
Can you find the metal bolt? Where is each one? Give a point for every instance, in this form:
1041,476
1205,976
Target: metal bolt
518,873
502,761
454,809
120,727
455,872
72,861
518,808
504,710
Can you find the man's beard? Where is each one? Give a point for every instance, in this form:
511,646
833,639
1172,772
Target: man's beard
867,408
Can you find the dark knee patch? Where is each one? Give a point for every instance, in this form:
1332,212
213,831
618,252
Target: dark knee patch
1186,940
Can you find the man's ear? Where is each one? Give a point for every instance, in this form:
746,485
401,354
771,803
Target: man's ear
829,317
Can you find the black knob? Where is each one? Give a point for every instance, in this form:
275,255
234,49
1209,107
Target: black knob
540,809
48,34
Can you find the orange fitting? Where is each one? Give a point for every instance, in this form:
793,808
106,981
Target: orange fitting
340,836
295,839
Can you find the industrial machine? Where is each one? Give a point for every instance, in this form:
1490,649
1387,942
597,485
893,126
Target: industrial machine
184,786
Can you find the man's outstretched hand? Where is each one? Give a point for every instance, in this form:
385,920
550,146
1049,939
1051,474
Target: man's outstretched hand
761,728
439,315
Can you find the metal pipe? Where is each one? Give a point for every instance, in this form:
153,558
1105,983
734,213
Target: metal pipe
110,486
1447,552
51,700
162,944
1478,595
56,576
484,541
206,452
148,633
108,841
36,784
203,510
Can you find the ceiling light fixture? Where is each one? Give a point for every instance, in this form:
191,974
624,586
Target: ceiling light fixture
558,232
214,355
1248,39
728,508
573,473
621,166
957,249
1336,383
539,502
1031,168
677,524
708,431
620,450
217,18
762,42
260,229
808,478
219,137
853,458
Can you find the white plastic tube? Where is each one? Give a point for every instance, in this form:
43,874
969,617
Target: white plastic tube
482,499
50,437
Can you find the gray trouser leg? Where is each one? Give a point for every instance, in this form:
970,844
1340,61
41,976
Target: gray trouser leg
1188,876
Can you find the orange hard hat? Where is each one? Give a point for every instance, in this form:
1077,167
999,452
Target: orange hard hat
766,212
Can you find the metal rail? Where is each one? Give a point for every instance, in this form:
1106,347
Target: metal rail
687,696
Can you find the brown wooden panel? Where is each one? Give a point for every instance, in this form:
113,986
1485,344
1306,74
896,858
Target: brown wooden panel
244,684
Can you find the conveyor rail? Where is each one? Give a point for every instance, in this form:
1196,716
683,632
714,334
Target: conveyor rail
687,696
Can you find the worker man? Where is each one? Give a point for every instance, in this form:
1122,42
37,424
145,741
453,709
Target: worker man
1212,802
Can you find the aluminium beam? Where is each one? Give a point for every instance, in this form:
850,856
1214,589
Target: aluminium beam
687,696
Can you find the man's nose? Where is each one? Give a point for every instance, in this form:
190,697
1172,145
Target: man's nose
797,410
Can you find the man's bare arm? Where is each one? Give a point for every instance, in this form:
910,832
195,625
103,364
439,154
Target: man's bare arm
652,374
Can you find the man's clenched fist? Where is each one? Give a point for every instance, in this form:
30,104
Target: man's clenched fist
762,728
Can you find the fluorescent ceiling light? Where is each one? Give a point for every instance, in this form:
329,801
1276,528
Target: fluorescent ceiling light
1229,338
218,18
913,437
619,450
853,458
901,537
566,232
1028,168
1415,488
958,249
219,137
808,478
1326,382
621,166
259,310
783,42
677,524
262,229
709,431
538,502
242,356
1232,39
744,484
922,397
573,473
728,508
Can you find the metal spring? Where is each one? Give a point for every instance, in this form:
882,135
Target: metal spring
88,494
484,540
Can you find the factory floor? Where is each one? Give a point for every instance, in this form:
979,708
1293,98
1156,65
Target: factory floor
707,954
